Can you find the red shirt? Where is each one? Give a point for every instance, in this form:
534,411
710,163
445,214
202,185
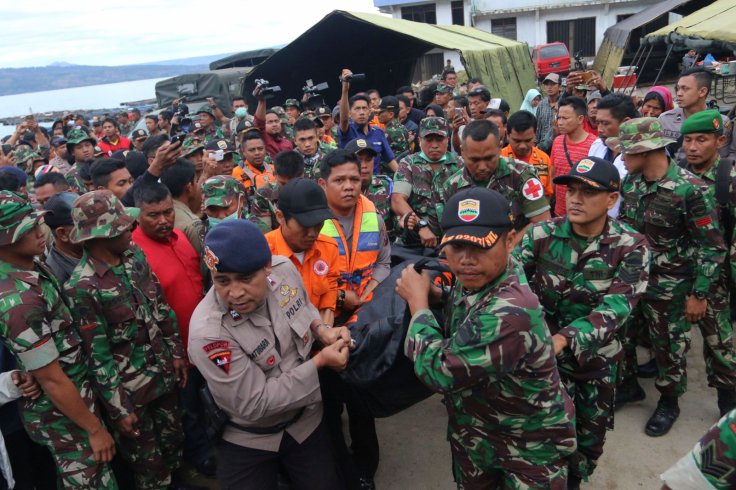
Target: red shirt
274,144
122,144
176,266
561,165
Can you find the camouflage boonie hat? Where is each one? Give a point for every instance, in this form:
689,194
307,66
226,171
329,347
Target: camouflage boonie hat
442,88
221,190
76,136
639,135
292,103
17,217
99,214
433,125
191,145
25,154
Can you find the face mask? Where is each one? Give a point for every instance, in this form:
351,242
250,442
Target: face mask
241,112
216,221
424,155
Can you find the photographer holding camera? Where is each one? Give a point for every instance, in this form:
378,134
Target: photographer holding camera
355,112
269,124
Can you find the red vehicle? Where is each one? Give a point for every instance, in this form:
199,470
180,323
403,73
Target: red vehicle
551,58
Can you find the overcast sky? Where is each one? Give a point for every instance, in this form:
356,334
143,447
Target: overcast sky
124,32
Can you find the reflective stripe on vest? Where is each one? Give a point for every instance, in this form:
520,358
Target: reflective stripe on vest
356,269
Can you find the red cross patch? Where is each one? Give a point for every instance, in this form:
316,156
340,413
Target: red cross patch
533,189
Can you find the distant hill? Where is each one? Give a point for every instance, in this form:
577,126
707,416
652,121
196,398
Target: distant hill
64,75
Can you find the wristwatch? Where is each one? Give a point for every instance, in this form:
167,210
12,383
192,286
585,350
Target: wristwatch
422,223
699,295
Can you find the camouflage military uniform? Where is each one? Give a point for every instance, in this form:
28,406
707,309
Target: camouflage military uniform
379,193
587,288
675,214
397,137
311,164
716,328
131,336
75,180
33,312
416,179
510,420
515,180
263,207
712,462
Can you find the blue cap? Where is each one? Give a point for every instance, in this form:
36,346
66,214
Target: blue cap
236,245
17,173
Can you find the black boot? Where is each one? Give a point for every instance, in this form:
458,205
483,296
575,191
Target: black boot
726,400
629,391
573,482
664,417
647,370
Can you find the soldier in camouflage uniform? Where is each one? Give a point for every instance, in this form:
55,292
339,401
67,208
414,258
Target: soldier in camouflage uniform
223,198
588,272
702,137
674,211
193,150
81,146
420,178
37,328
288,165
517,181
211,131
377,188
396,134
306,143
711,464
130,334
510,419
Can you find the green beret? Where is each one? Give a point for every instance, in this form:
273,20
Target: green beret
709,121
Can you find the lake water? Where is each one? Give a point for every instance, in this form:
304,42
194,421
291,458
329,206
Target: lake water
92,97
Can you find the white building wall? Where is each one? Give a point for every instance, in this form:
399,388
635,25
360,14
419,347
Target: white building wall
531,15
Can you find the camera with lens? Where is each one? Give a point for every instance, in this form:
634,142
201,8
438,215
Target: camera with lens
267,90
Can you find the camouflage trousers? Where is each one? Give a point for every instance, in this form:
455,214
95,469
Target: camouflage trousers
477,469
593,399
69,446
669,331
157,452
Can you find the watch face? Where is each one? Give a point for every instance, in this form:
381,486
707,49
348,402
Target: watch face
422,223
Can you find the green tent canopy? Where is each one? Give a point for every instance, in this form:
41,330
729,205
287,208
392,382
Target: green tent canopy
711,25
386,50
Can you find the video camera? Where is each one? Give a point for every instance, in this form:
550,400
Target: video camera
355,77
312,89
266,91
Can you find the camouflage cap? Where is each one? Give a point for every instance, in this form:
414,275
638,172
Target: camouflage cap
433,125
443,89
17,217
77,136
292,103
709,121
99,214
25,154
206,109
281,113
191,145
221,190
638,136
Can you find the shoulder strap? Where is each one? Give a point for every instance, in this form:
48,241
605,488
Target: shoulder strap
567,154
723,181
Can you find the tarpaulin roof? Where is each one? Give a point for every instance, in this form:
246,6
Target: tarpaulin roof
244,58
616,37
713,23
222,85
386,49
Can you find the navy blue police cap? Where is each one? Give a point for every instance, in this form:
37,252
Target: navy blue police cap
236,245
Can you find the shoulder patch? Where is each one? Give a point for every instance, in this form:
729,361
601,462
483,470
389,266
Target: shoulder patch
219,344
533,189
321,267
222,360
